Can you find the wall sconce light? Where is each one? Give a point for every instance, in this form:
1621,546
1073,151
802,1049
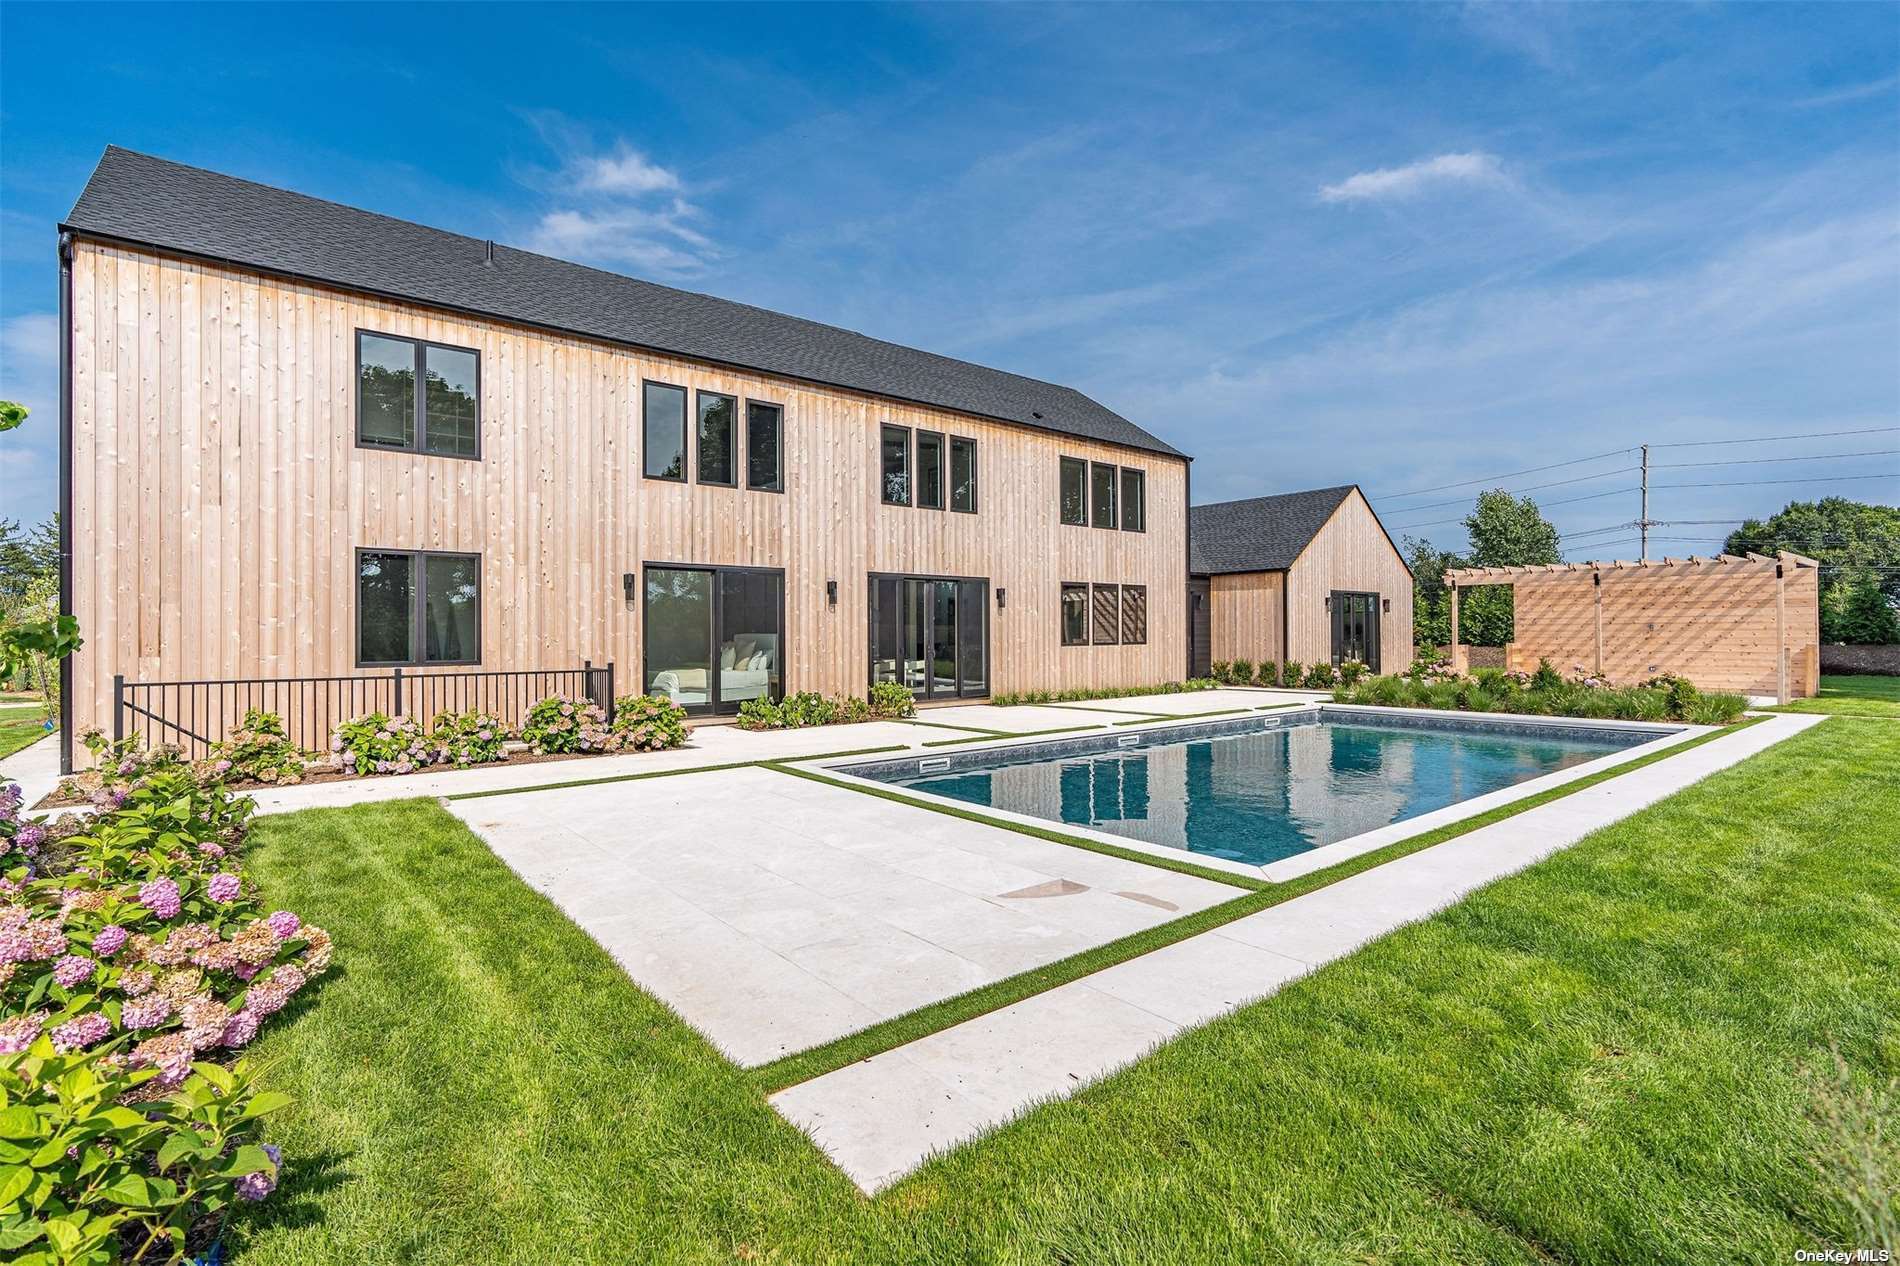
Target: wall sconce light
831,593
1385,605
1000,604
1329,602
626,587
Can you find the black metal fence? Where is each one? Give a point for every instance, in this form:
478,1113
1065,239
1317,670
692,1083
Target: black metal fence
197,714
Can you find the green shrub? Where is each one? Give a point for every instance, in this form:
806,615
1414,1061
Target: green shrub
1320,676
258,750
1715,709
561,726
1350,671
1222,671
462,739
1243,672
648,723
1546,677
888,699
381,744
801,710
1291,674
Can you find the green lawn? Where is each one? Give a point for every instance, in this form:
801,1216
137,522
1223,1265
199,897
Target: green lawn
1852,696
18,727
1623,1054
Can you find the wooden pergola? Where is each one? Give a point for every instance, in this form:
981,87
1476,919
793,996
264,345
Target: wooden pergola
1749,623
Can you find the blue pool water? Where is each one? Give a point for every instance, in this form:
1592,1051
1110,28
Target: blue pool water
1262,794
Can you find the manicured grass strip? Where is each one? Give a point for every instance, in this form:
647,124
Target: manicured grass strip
924,1021
1089,707
1190,716
664,773
19,732
967,729
1863,695
1003,734
1275,707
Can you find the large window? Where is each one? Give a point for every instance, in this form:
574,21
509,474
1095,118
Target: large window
962,475
894,461
764,447
714,636
418,607
1135,615
663,409
1075,615
1102,494
1134,500
718,416
1075,492
929,470
1106,625
443,419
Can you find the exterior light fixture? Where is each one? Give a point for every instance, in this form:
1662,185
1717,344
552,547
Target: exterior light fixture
831,593
626,587
1329,602
1385,605
1000,604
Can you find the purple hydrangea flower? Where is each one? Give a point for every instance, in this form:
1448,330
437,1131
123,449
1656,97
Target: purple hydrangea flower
284,924
72,970
223,888
211,850
81,1031
254,1187
29,838
17,1034
240,1028
160,896
147,1011
111,940
275,1153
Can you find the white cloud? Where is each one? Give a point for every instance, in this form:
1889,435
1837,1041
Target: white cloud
625,171
1474,168
659,241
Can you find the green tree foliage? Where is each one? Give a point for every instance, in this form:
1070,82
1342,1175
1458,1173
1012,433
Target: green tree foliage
1505,531
1431,607
1858,547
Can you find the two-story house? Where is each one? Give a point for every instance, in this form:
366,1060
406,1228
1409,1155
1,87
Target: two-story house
308,441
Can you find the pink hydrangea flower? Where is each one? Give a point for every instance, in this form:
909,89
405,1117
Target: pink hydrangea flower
211,850
111,940
17,1034
81,1031
284,924
147,1011
240,1028
72,970
223,888
160,896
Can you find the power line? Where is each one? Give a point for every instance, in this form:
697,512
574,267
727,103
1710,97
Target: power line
1548,505
1555,483
1763,461
1747,483
1534,470
1770,439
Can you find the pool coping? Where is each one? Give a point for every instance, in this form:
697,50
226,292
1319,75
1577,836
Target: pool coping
1668,734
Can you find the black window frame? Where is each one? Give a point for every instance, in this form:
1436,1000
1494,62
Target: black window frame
975,477
1062,514
910,467
686,432
1126,639
418,598
1114,490
1140,477
917,469
420,405
1062,615
778,446
1094,607
698,461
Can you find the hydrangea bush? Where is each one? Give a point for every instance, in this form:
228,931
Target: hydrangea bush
559,726
888,699
135,965
258,750
648,723
382,744
462,739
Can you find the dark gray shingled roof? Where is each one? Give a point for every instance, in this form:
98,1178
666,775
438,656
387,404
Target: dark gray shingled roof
139,199
1259,534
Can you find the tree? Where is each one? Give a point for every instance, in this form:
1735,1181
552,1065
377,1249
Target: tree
1431,609
1857,545
26,557
1865,617
1505,531
34,637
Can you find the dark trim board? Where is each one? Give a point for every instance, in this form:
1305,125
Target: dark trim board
66,490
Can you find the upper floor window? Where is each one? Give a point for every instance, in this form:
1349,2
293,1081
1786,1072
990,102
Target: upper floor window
663,412
418,607
1102,494
718,419
764,447
443,418
1134,500
930,470
962,474
1074,496
894,462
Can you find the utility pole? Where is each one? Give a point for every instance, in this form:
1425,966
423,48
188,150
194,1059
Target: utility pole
1643,522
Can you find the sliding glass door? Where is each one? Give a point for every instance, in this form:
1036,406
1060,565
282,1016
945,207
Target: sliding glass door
714,636
931,635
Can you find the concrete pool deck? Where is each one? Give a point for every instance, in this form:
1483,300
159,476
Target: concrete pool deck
881,1118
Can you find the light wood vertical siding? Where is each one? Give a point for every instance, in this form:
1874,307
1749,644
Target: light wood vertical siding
1712,622
1245,616
219,496
1352,553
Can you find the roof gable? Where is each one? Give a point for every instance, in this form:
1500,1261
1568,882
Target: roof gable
149,201
1261,533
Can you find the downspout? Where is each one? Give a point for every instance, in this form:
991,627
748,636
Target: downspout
66,491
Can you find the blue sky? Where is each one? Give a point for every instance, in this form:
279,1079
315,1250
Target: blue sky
1405,247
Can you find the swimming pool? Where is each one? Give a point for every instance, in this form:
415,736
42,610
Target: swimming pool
1262,788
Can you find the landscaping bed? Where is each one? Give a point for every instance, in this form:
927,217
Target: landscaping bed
1543,693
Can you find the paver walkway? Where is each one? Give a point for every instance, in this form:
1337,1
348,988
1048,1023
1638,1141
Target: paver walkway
775,913
883,1117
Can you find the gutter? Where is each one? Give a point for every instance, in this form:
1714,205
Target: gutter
65,490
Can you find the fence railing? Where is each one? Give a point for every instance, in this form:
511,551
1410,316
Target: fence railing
197,714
